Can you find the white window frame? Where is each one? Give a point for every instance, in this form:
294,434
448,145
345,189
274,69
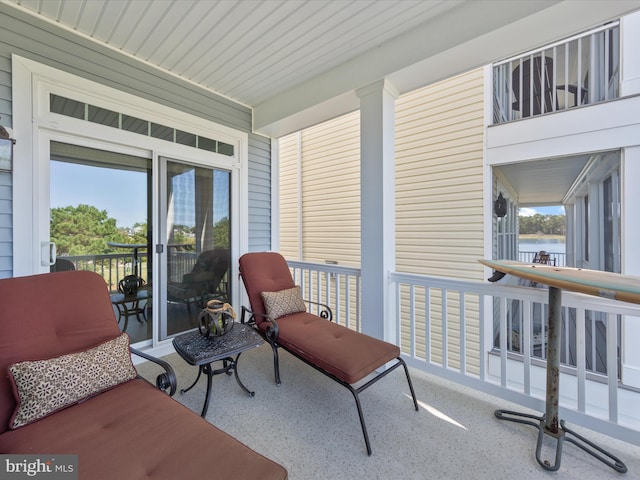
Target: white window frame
35,126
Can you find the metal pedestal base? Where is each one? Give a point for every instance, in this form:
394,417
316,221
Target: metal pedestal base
228,364
563,434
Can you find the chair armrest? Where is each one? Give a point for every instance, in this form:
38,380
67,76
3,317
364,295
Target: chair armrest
272,331
164,381
325,312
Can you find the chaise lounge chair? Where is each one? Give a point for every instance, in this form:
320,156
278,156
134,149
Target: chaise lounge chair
68,387
279,314
205,281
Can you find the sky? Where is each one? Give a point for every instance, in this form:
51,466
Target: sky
531,211
122,193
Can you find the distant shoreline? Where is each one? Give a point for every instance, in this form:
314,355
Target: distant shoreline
533,237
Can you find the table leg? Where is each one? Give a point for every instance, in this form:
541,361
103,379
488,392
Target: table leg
549,424
209,372
228,365
184,390
235,371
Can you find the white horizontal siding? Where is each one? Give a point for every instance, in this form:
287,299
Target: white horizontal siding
439,211
331,191
289,205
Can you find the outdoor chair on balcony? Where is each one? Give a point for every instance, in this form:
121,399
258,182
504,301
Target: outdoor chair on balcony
62,265
206,281
541,92
279,314
544,258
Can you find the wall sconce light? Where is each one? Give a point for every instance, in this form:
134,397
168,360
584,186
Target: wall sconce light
500,206
6,150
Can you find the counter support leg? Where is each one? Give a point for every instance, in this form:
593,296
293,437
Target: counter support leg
554,345
549,424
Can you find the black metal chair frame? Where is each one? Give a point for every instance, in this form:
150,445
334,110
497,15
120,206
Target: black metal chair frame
194,291
271,336
166,381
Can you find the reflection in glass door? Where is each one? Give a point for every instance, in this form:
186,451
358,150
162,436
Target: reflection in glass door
99,206
198,239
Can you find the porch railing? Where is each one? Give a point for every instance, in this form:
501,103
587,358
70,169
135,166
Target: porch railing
581,70
113,267
334,285
458,330
559,259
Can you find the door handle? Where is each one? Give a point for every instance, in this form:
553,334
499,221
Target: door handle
47,254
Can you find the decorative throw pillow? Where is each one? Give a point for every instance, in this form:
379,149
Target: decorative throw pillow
283,302
42,387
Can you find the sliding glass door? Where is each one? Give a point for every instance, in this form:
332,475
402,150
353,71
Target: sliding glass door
101,220
99,204
196,242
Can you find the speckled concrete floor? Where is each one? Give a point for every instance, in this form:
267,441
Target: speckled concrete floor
310,425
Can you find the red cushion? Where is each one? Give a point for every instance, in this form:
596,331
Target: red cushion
343,352
264,272
47,315
135,431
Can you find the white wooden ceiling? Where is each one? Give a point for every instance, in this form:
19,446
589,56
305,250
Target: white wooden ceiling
299,62
247,50
544,182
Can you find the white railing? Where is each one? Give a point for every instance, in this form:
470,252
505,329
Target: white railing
457,330
581,70
333,285
559,259
113,267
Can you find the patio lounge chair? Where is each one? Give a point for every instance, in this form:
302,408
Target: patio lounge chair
204,282
68,386
279,314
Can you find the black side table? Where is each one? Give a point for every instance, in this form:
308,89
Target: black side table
202,352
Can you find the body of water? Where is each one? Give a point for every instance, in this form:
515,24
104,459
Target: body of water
551,246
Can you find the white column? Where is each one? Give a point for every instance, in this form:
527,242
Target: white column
570,216
377,208
630,37
630,31
630,260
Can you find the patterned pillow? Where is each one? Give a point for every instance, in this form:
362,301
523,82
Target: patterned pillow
283,302
42,387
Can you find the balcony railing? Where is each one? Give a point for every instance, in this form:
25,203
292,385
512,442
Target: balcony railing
113,267
558,259
457,329
581,70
